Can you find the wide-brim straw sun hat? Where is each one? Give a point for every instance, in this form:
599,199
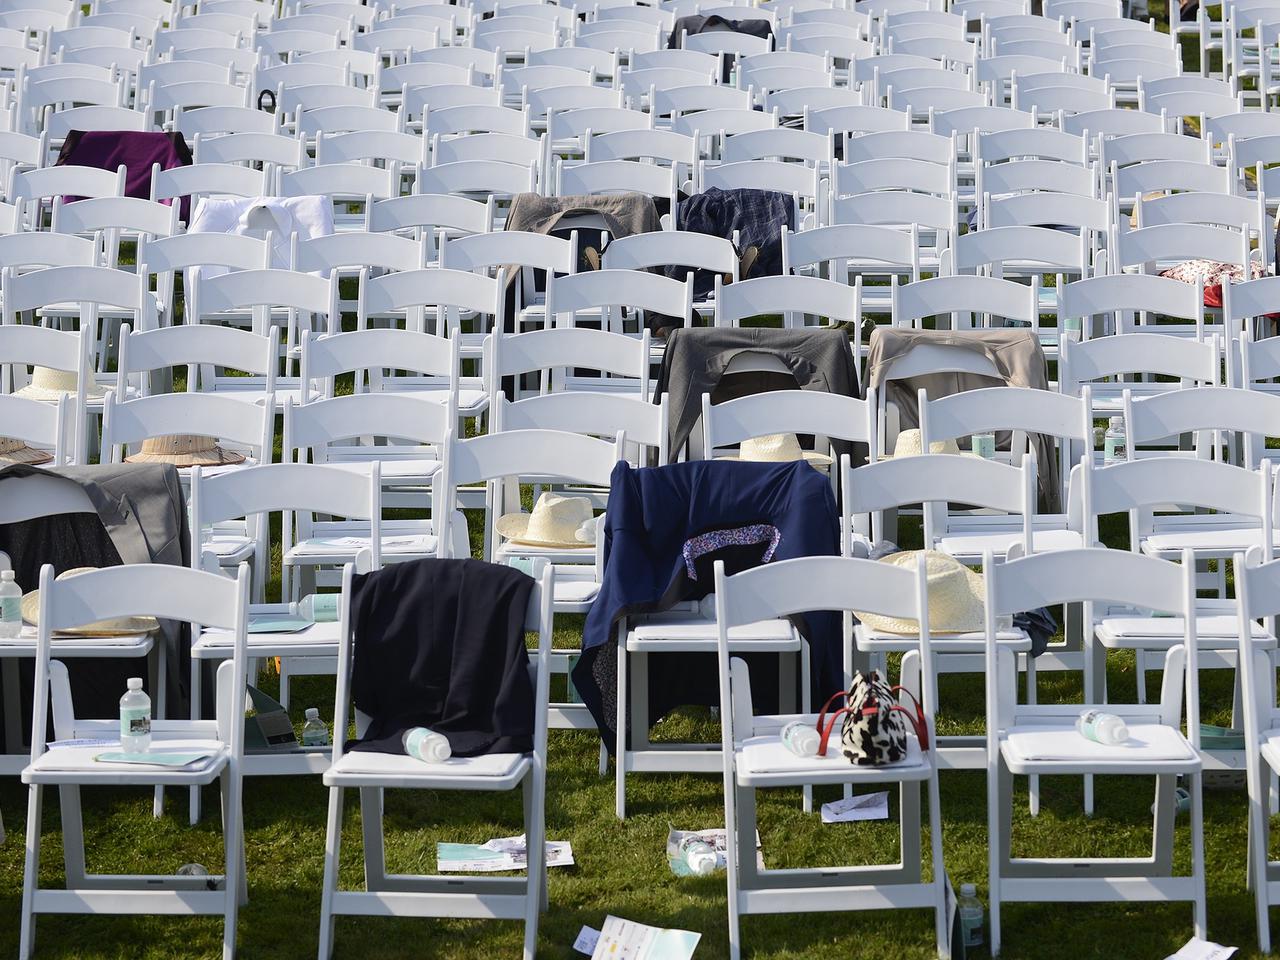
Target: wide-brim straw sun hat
777,448
119,626
556,521
184,450
908,445
50,384
956,596
13,450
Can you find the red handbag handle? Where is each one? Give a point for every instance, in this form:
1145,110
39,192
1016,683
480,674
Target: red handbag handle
824,728
916,717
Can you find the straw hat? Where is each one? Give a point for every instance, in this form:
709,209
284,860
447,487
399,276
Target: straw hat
908,445
778,448
556,521
19,451
956,599
50,384
30,607
184,450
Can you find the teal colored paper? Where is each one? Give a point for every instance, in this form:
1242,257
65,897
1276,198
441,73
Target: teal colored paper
152,759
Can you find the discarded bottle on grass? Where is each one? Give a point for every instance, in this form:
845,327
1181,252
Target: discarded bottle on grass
1113,448
319,607
698,856
135,718
10,606
971,915
1102,727
314,731
801,738
192,870
426,745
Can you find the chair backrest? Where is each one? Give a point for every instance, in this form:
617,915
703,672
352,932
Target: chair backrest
326,428
537,620
193,346
235,423
495,458
1216,415
1191,361
834,302
160,590
375,349
618,289
958,295
41,425
1092,577
1125,295
809,585
935,480
567,348
263,291
449,291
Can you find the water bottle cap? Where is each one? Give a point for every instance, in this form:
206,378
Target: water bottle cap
6,575
1116,422
312,713
968,890
135,683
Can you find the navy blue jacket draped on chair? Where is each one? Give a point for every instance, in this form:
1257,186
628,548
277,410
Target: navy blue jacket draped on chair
652,511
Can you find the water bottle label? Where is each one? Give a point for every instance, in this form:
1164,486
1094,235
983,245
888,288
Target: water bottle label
972,927
135,722
1113,448
10,609
983,445
324,607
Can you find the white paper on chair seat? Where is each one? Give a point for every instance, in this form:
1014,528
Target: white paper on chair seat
1147,741
1197,949
575,591
396,544
768,755
86,758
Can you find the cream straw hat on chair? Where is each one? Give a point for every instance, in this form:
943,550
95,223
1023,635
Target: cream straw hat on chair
556,521
908,445
777,448
955,596
50,384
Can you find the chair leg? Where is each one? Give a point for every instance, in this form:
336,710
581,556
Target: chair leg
31,872
939,870
193,813
536,845
1200,910
620,750
1033,789
996,784
806,698
333,840
1141,670
232,826
72,835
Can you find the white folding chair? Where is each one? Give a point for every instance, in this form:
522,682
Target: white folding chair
176,593
1041,739
754,758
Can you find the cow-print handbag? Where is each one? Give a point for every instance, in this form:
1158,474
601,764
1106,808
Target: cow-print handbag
874,730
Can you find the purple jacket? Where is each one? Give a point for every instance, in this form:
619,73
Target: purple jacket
137,151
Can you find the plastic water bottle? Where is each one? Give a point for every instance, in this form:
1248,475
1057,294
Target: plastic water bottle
426,745
1113,448
314,732
971,915
801,738
10,606
319,608
135,718
698,856
1102,727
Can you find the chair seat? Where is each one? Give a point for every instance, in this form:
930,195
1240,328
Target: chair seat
1223,542
229,548
973,545
340,549
1271,747
764,761
685,633
973,642
393,468
575,591
470,402
567,555
1215,629
1051,747
316,640
494,771
77,765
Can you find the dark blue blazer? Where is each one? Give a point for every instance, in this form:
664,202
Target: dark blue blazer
652,511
